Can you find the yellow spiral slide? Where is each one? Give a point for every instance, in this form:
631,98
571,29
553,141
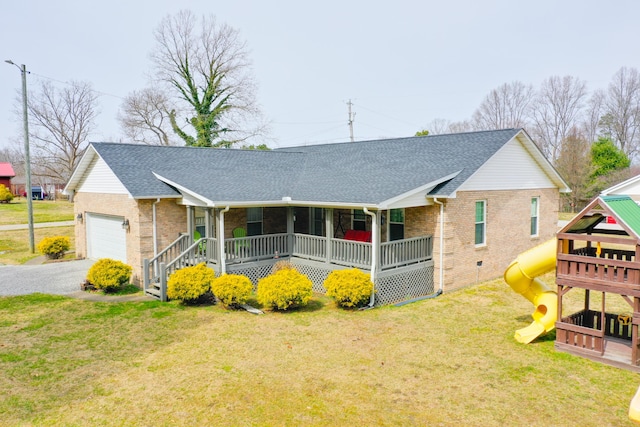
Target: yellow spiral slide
522,275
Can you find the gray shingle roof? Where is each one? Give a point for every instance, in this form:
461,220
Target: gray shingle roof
379,170
367,172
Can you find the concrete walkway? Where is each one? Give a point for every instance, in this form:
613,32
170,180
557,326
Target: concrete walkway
37,225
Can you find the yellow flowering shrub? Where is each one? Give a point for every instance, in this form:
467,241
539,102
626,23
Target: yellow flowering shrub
109,274
284,289
54,247
190,283
232,289
5,194
349,288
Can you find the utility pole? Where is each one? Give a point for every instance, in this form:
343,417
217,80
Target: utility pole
352,116
27,158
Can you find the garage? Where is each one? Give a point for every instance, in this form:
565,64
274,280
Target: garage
105,237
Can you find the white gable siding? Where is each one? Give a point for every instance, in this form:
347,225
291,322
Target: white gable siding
631,189
510,168
99,178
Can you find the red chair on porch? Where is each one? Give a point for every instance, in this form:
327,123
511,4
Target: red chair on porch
358,235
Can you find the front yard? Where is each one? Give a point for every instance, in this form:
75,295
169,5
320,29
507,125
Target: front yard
451,360
43,211
14,244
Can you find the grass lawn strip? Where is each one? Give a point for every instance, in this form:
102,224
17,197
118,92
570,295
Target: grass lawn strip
14,244
446,361
43,211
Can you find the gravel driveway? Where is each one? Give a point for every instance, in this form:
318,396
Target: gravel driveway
55,278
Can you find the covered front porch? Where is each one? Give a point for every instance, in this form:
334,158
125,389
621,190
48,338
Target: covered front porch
311,238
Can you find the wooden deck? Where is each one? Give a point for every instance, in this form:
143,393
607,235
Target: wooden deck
617,352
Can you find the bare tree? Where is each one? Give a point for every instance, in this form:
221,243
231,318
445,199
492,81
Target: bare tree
144,117
461,126
556,110
575,166
504,107
621,120
438,126
13,155
592,114
206,65
61,122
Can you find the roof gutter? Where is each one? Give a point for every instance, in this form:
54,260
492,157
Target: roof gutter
374,253
441,274
155,227
223,265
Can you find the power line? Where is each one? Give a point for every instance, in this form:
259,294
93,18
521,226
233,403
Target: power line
314,133
69,84
387,116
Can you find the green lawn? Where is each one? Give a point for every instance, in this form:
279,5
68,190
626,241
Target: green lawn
43,211
14,244
446,361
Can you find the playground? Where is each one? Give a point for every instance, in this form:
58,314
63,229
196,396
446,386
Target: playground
597,251
597,259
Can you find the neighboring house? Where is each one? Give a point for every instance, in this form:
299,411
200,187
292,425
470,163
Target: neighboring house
630,187
420,214
6,173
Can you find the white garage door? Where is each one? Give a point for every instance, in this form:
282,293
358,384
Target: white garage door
105,237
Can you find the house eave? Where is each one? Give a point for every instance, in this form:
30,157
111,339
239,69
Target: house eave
397,201
79,171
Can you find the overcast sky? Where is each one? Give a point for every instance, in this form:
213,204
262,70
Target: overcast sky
402,63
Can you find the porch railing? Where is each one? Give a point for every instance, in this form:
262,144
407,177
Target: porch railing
404,252
310,247
350,253
358,254
255,248
156,276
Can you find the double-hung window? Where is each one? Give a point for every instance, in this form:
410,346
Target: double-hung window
317,221
359,220
481,223
535,212
396,224
254,221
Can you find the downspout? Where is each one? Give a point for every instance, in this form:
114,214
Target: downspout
374,253
223,256
441,275
155,228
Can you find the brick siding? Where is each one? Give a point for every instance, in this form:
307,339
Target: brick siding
507,233
171,220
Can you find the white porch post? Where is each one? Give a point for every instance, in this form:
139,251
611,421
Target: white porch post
209,230
290,230
190,223
328,226
220,239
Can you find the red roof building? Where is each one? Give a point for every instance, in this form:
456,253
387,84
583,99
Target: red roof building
6,173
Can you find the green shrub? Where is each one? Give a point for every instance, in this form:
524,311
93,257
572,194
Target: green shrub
285,289
189,284
349,288
54,247
5,194
232,289
108,274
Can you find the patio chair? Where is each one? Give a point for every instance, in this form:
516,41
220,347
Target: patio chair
241,245
202,247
